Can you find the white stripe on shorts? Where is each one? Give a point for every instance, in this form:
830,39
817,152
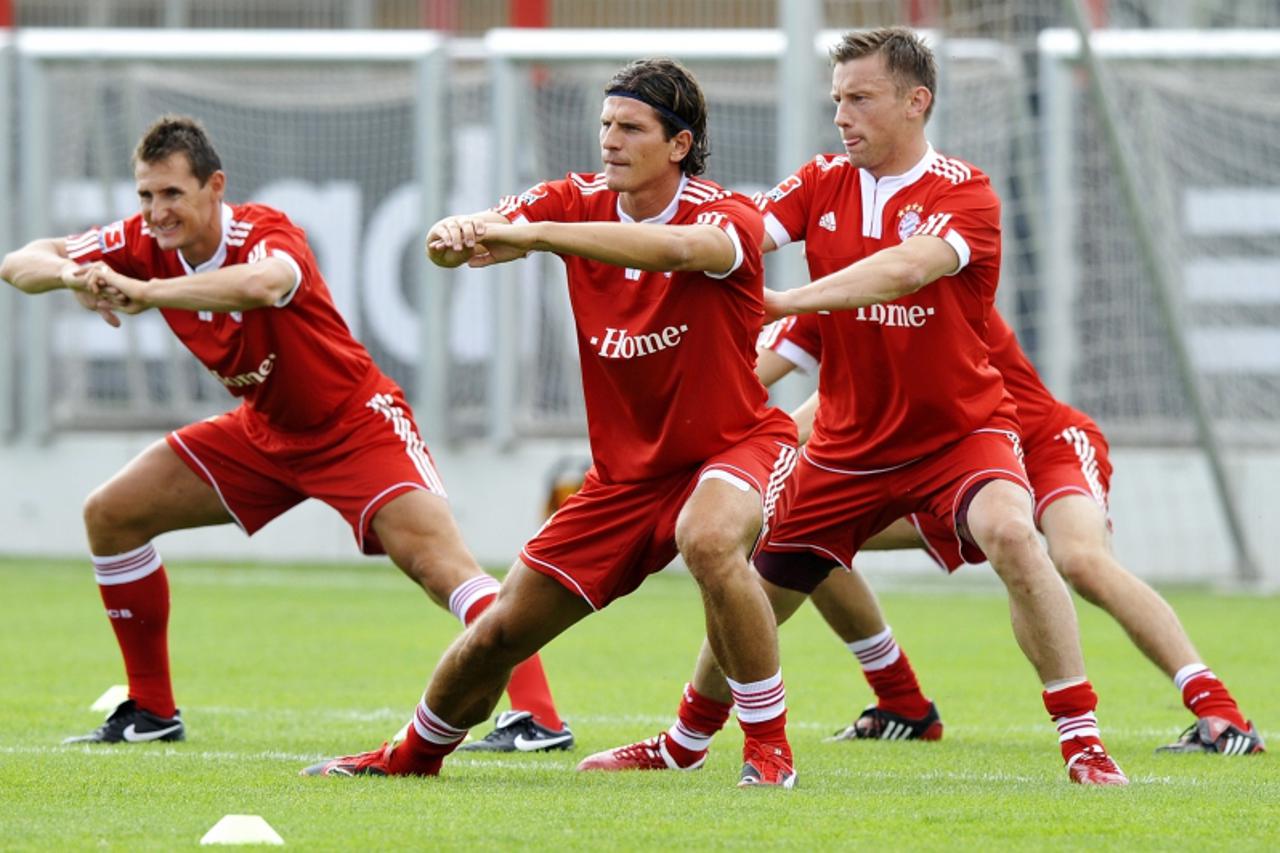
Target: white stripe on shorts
415,448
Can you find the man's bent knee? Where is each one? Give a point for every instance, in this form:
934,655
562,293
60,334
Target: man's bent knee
713,552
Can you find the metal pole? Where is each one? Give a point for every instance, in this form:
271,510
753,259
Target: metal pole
431,394
8,240
34,152
1163,288
799,71
503,366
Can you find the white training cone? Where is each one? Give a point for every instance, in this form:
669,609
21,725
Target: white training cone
242,829
110,700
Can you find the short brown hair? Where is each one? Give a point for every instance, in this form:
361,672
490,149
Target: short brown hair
675,96
173,134
907,58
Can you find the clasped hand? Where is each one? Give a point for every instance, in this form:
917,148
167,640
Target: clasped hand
100,288
456,240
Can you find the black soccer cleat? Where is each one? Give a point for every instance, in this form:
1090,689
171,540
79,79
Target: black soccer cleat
877,724
516,731
1218,736
130,724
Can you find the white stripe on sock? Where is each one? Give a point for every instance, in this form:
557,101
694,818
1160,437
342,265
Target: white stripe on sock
433,729
127,567
759,701
876,652
469,592
1188,672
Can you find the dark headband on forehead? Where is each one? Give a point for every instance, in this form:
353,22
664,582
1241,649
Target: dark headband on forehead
661,110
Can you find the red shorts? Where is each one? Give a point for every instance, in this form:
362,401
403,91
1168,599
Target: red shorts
608,537
836,511
371,454
1071,460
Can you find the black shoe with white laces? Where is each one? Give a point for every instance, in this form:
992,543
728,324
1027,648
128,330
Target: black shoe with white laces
130,724
516,731
878,724
1219,736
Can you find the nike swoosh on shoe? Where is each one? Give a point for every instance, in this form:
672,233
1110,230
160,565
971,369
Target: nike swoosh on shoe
524,744
132,735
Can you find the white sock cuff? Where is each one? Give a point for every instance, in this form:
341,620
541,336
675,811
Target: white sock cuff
127,567
1190,671
469,592
433,729
1064,683
688,738
1085,725
876,652
759,701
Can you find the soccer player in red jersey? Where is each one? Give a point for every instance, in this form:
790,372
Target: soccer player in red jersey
240,288
665,280
903,246
1066,458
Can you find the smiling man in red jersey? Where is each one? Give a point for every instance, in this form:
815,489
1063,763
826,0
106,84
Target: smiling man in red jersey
240,288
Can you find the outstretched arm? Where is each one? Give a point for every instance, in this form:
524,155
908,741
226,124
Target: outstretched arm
40,266
887,275
240,287
637,245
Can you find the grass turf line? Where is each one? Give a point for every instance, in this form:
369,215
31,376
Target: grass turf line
277,665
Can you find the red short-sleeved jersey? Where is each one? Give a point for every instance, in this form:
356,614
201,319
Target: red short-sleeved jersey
905,378
799,340
668,359
295,363
1038,410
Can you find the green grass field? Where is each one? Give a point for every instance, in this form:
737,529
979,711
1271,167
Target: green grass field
278,666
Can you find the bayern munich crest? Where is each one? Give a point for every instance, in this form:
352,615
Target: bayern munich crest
908,220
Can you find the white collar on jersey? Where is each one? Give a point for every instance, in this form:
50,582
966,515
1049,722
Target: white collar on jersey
876,193
220,256
667,214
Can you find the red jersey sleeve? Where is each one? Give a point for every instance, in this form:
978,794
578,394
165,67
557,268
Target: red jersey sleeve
120,245
786,206
549,201
797,339
738,218
967,216
287,242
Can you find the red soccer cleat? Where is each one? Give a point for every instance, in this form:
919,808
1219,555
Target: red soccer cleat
1092,766
375,762
648,754
764,764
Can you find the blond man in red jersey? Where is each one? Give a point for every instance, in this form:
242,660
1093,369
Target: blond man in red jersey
903,246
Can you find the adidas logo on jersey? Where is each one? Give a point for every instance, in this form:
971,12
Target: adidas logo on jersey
828,220
618,344
911,316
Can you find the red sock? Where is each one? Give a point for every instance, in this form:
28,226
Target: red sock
528,689
425,745
1206,696
897,690
1072,709
135,591
773,732
697,721
762,709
